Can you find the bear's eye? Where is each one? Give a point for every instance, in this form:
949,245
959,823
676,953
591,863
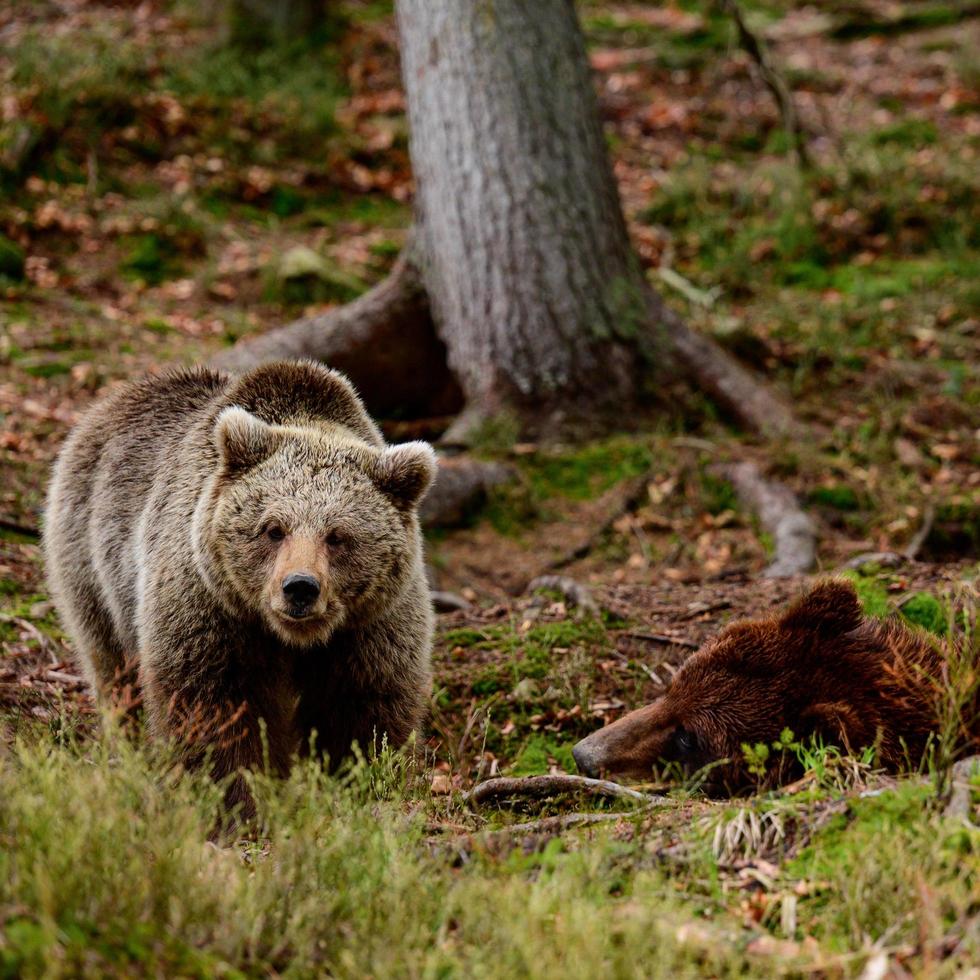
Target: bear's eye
685,742
274,532
336,539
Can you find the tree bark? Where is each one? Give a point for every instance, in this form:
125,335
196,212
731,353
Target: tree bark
524,250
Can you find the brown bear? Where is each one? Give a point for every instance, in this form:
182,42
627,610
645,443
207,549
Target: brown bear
820,669
254,546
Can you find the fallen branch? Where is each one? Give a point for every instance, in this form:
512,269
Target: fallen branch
793,532
572,591
660,638
536,787
886,559
547,825
629,496
757,51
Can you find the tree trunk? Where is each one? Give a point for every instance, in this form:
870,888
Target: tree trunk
524,251
521,260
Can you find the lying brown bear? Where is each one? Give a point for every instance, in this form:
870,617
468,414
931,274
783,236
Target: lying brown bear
821,669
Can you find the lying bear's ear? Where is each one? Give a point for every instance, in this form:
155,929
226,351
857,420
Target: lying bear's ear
242,439
404,472
829,609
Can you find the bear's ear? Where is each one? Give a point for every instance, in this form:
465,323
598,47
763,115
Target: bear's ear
404,472
829,609
242,440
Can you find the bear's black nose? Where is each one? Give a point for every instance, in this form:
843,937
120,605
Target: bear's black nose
301,590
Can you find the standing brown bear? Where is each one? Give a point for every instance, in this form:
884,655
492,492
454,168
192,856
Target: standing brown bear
254,546
819,669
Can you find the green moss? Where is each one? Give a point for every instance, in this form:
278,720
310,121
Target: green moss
589,471
907,132
925,610
838,496
539,754
871,593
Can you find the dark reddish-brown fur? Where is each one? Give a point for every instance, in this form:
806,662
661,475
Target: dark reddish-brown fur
819,669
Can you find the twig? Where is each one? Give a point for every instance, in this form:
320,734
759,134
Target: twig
61,677
536,787
43,642
922,535
793,532
702,297
757,51
660,638
576,593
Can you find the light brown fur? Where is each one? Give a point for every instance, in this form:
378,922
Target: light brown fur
180,505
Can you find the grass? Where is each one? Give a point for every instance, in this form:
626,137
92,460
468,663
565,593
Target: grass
106,870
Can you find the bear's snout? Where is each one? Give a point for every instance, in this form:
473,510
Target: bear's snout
301,590
585,759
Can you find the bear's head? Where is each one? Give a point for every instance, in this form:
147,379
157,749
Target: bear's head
811,670
307,524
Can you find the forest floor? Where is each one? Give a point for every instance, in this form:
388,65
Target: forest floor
163,195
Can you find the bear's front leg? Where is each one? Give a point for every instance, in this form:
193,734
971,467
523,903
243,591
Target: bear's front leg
367,687
213,709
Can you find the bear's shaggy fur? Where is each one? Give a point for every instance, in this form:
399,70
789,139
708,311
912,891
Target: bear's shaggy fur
180,509
819,669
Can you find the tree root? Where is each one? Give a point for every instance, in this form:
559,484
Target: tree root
384,341
793,532
536,787
570,590
721,377
460,485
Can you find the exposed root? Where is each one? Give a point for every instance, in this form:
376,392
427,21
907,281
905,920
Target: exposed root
446,602
572,591
384,341
793,532
536,787
922,535
721,377
460,485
